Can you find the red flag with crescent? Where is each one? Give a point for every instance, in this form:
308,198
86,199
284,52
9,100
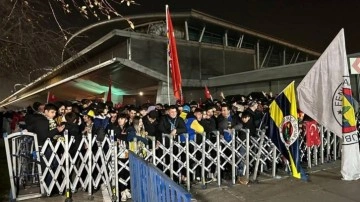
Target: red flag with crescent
312,133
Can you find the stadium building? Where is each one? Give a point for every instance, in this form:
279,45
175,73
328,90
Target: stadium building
219,54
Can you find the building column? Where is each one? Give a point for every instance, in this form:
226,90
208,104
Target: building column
162,93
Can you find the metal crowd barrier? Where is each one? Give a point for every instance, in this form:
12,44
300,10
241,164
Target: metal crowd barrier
148,183
95,163
23,164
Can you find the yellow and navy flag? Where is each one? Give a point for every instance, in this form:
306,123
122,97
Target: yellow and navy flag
283,128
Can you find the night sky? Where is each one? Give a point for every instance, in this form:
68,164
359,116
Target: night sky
307,23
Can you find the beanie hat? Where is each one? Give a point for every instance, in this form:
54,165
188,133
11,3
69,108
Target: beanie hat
186,108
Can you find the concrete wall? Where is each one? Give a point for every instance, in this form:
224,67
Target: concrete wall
196,61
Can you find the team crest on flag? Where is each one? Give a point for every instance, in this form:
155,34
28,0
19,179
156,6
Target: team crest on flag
289,130
349,120
283,129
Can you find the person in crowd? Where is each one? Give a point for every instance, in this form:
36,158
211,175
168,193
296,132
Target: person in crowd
143,110
121,132
44,126
73,128
173,125
227,121
159,106
68,107
71,125
139,127
85,103
137,137
195,131
113,118
151,124
208,121
241,167
132,113
185,111
87,125
226,124
37,108
255,118
193,126
210,113
60,112
101,121
76,108
193,106
179,108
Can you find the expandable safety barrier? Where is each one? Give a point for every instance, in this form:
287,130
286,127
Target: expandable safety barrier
65,166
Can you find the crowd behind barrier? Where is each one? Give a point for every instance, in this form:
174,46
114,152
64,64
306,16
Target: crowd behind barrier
97,165
63,148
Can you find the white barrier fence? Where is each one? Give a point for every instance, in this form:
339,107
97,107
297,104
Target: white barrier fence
66,166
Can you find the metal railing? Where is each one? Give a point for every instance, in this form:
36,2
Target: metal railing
92,163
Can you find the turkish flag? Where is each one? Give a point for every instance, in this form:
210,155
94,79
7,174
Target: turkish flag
207,93
312,133
50,97
173,59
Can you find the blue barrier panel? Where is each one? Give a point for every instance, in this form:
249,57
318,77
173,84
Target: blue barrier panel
149,184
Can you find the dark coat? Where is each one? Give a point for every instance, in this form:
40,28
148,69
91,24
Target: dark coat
166,122
209,125
73,130
223,123
253,122
40,126
152,128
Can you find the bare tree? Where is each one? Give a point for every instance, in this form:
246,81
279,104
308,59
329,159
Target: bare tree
27,40
33,33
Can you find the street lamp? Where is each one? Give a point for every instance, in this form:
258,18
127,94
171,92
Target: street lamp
43,69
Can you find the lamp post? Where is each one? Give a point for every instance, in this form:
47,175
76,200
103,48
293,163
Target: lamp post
34,70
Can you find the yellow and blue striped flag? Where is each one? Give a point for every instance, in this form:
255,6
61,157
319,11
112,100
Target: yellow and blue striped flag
283,128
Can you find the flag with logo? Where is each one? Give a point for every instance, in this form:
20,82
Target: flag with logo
325,95
172,58
283,128
312,133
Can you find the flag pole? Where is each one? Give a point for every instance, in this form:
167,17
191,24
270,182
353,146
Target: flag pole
167,54
48,97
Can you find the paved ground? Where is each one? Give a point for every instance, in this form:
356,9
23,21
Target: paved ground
325,185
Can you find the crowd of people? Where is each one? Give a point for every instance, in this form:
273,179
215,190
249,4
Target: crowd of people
50,120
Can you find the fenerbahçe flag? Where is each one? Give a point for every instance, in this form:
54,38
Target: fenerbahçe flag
325,95
284,130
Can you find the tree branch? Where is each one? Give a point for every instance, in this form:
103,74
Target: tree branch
8,41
